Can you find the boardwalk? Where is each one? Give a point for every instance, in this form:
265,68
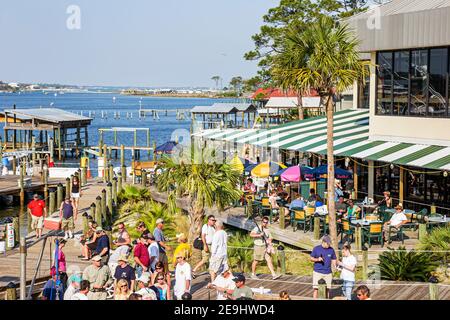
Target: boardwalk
9,184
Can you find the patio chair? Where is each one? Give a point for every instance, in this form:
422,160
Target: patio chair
399,233
310,211
299,217
375,231
347,230
264,207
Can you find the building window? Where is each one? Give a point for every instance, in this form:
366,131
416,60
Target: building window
413,83
364,92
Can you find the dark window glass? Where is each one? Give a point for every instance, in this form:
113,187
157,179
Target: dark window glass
364,92
419,82
401,83
438,83
384,90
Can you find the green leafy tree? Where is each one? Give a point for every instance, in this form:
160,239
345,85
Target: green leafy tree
438,242
236,84
403,265
251,84
216,79
239,256
203,179
133,194
322,57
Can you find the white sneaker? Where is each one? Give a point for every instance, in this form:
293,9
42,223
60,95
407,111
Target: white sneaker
66,236
276,276
254,277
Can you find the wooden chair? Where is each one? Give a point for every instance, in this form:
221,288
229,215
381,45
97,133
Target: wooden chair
375,231
398,232
310,211
265,208
346,229
299,217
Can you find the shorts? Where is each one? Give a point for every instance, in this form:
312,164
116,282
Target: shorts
163,258
92,246
68,224
205,256
259,253
327,277
75,195
37,222
217,264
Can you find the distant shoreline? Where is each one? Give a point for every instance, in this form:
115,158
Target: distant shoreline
179,95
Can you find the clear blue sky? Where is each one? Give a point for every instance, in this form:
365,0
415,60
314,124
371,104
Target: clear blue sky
129,43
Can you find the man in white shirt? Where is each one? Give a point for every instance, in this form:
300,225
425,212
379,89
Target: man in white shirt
84,290
153,252
144,290
208,231
219,255
183,277
224,284
396,221
74,286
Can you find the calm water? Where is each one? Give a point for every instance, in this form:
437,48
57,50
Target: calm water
160,130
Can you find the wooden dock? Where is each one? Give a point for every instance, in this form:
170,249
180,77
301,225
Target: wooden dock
9,184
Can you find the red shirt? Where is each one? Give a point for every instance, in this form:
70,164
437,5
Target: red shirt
141,252
37,207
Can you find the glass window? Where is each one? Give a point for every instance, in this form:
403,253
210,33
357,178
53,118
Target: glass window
438,83
419,82
384,83
364,92
401,83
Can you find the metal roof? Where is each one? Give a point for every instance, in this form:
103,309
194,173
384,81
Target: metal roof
242,107
284,102
403,24
226,108
48,114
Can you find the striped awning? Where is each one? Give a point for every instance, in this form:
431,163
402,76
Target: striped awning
351,138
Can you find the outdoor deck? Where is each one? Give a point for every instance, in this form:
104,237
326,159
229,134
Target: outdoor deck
10,186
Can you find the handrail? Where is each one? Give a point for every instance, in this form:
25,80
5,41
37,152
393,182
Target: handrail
38,266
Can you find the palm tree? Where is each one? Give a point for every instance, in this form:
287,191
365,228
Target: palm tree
204,182
216,80
321,57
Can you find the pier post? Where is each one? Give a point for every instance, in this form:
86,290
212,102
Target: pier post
16,226
282,219
316,228
111,173
83,176
104,215
68,185
45,177
422,230
59,194
123,169
23,268
365,263
433,289
14,165
92,211
322,289
85,221
119,182
143,177
52,203
154,150
109,213
281,259
358,238
22,186
98,211
114,190
11,291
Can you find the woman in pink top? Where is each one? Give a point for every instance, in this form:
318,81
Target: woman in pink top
62,265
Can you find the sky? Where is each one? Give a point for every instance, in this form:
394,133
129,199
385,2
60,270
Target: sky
149,43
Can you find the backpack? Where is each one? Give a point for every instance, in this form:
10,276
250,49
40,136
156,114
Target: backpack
198,243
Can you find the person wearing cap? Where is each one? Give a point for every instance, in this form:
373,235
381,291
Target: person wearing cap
207,235
36,209
241,291
102,248
397,220
99,277
143,289
141,255
53,289
183,277
161,240
142,228
153,251
73,287
183,248
62,264
68,216
324,258
223,284
124,271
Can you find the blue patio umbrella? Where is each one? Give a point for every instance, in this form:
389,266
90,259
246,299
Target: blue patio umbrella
307,172
341,174
248,168
167,147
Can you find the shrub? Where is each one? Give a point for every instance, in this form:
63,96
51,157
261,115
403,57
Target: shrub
439,241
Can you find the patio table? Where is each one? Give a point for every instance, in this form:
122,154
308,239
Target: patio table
405,211
364,223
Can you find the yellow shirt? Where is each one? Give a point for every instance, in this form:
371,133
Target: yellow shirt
182,247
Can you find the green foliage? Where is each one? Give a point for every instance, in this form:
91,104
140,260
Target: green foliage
437,240
251,84
236,84
403,265
133,194
240,257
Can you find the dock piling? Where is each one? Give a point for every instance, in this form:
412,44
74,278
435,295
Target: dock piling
316,228
59,194
104,208
23,268
52,203
67,189
22,186
119,182
98,211
11,291
322,289
114,190
109,213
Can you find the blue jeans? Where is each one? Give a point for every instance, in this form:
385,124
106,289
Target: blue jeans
347,289
139,271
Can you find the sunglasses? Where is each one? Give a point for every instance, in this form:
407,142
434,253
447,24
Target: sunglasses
158,268
124,286
160,279
266,222
179,257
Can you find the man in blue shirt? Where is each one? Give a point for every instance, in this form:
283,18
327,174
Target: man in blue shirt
324,258
297,203
102,248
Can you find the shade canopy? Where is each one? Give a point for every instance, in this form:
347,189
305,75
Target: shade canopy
322,171
266,169
167,147
291,174
239,163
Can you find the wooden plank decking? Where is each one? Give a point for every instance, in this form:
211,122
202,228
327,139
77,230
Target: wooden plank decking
9,185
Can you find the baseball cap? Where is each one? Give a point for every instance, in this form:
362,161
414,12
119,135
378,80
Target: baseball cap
239,277
75,278
159,220
98,229
181,237
122,257
326,239
96,258
145,277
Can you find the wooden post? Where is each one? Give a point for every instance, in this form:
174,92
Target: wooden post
83,176
14,165
104,206
365,263
71,182
355,179
249,207
92,210
402,185
68,185
45,176
358,238
154,150
98,211
59,145
109,213
11,291
322,289
52,203
59,195
434,291
316,228
281,259
114,190
85,221
16,226
422,230
23,268
111,173
143,177
433,209
282,220
119,182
